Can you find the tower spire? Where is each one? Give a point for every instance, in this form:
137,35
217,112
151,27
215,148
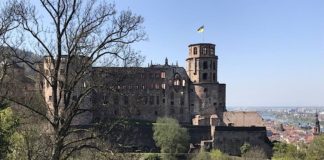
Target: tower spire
166,61
317,129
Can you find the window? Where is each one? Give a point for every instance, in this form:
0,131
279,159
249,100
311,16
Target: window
176,82
172,102
163,100
172,95
214,77
205,65
50,98
181,110
157,75
162,74
214,65
211,50
205,75
204,51
195,50
163,85
156,113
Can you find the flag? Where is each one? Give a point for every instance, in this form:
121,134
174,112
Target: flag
200,29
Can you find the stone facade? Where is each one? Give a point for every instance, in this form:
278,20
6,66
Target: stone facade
193,96
230,139
145,93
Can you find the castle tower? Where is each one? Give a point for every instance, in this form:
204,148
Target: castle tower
202,63
207,96
317,128
76,64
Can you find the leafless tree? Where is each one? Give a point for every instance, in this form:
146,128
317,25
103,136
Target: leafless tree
7,24
73,35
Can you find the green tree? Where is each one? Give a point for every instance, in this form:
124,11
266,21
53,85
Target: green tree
217,154
245,147
170,137
284,151
8,123
315,150
255,153
202,155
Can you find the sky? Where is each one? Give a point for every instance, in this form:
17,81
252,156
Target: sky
270,52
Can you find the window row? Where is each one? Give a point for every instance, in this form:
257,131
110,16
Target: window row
203,50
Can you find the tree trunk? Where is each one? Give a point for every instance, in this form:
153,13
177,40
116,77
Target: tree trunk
57,147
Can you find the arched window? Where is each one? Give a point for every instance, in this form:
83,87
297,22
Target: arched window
204,51
176,82
195,50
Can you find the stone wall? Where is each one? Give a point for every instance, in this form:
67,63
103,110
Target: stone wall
230,139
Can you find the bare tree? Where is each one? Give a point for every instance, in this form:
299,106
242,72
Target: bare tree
72,35
7,24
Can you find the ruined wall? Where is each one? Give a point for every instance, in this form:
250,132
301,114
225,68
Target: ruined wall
141,93
230,139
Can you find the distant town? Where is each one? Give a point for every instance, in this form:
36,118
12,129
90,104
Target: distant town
293,125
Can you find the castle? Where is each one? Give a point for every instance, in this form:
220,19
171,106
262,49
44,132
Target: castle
193,96
145,93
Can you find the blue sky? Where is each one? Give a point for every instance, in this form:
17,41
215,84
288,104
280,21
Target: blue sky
271,52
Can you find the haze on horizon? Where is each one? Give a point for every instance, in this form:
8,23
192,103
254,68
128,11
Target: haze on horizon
270,53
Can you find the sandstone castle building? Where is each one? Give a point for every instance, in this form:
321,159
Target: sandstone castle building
192,95
145,93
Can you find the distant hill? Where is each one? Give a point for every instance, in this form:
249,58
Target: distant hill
14,55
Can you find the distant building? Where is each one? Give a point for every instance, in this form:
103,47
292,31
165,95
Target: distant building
317,128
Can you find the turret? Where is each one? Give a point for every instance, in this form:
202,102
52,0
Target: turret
207,96
202,63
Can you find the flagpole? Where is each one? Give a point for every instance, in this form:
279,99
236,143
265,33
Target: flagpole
203,37
201,29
